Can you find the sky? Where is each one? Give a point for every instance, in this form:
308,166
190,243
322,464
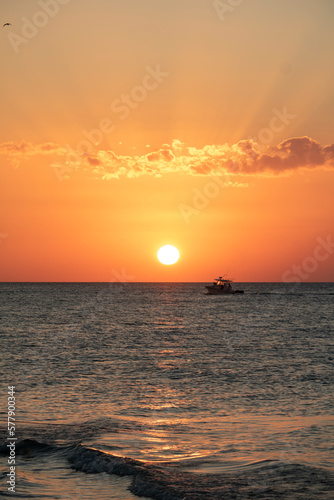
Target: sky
204,124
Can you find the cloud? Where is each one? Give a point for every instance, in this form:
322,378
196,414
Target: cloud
244,158
297,153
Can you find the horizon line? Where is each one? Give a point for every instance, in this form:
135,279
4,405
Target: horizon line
157,282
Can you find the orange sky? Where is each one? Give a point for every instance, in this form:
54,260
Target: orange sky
129,125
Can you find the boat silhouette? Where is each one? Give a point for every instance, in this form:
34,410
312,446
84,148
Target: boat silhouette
221,286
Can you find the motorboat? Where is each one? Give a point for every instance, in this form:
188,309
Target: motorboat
221,286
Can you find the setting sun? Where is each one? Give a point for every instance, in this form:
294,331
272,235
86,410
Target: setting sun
168,255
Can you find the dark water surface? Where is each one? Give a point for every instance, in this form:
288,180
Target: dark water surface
162,391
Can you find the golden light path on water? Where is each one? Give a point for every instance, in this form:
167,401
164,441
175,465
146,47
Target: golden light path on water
162,440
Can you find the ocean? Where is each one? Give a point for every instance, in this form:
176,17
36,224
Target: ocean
159,391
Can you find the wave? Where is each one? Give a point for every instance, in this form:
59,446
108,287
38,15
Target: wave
296,294
171,481
261,480
63,433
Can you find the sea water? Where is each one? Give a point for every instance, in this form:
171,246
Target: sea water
161,391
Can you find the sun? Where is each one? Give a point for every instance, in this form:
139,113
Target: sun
168,255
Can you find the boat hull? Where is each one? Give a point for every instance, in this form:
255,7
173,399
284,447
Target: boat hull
214,290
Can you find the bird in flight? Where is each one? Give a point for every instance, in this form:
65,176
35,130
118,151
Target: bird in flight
6,24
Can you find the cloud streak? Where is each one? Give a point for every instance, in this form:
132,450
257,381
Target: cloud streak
244,158
25,149
16,152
